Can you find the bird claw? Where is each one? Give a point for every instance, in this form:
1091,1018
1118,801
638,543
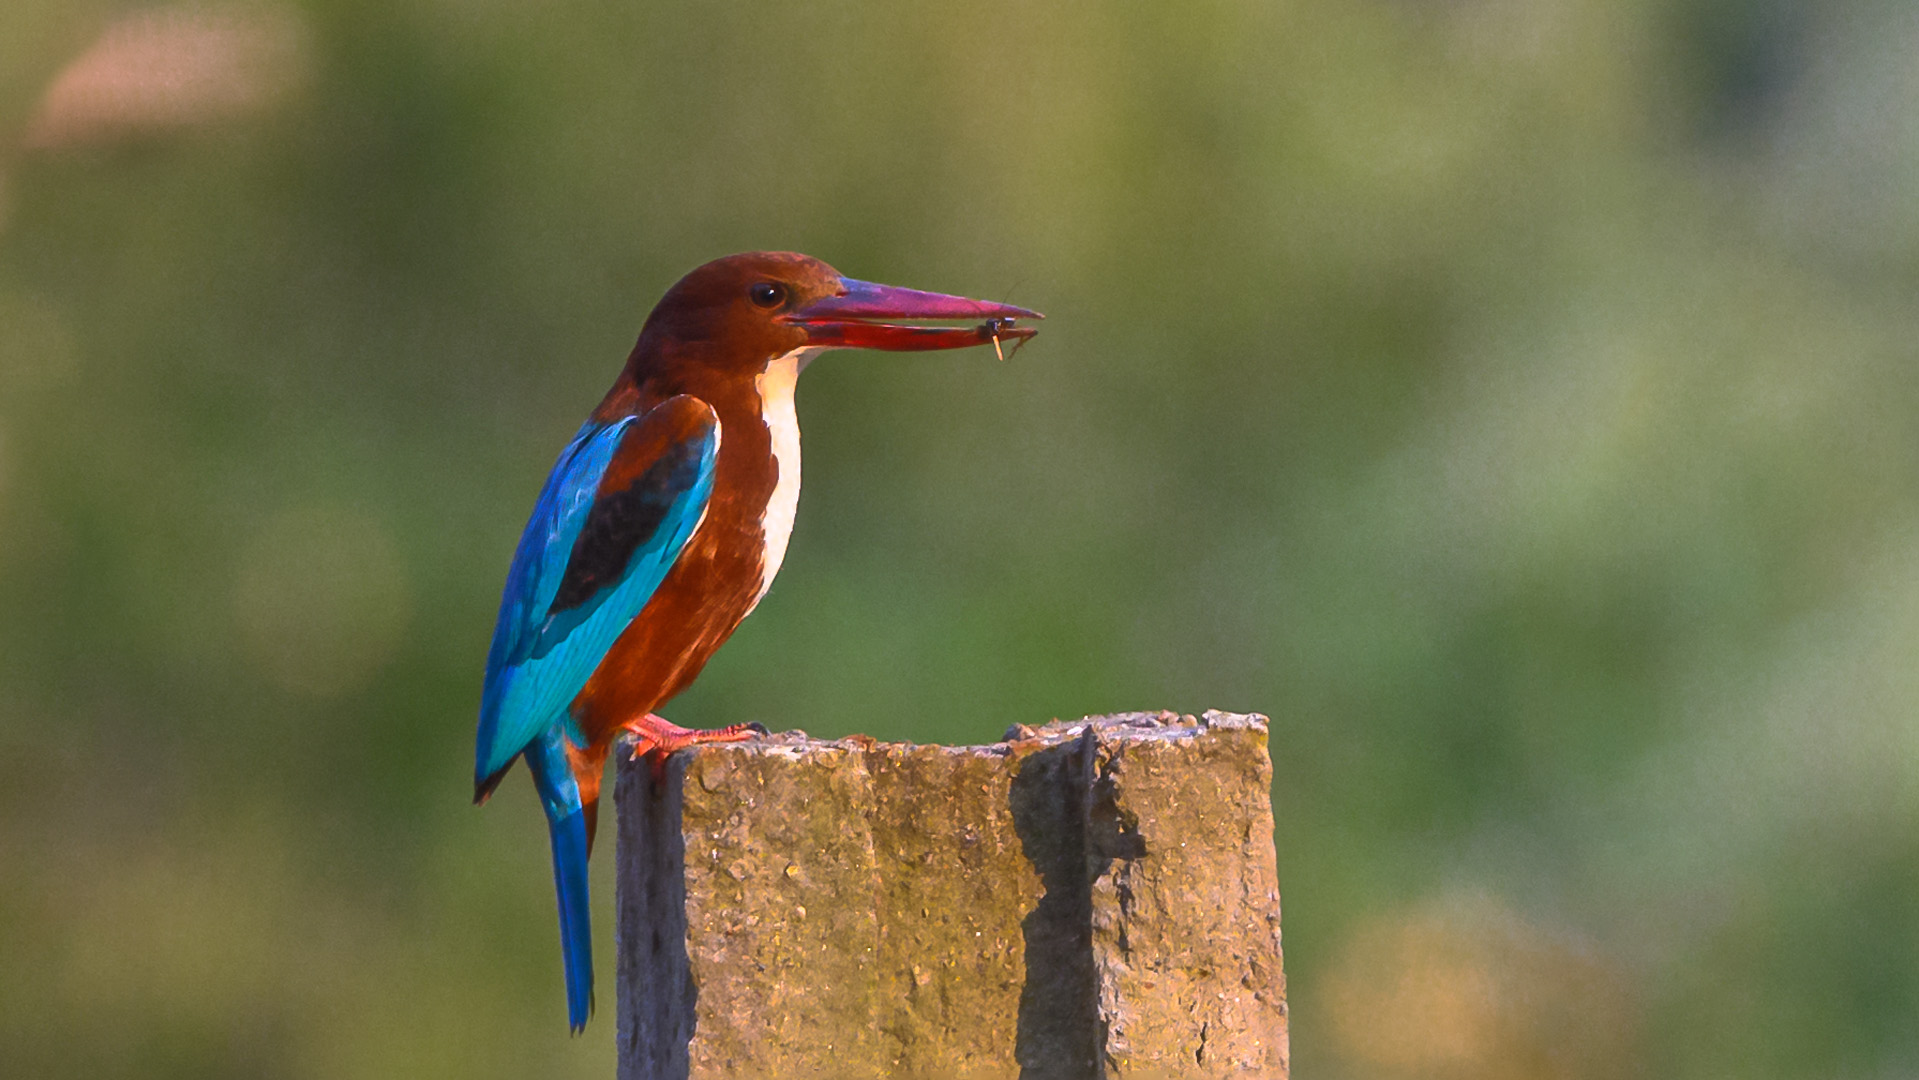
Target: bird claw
656,738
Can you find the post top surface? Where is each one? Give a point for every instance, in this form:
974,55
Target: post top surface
1163,725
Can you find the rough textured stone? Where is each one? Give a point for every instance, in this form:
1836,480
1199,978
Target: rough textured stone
1093,899
1185,898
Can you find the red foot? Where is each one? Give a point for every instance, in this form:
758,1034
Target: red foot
657,738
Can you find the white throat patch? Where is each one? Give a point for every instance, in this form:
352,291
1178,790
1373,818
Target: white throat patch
775,387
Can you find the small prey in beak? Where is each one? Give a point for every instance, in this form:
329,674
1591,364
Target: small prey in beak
997,328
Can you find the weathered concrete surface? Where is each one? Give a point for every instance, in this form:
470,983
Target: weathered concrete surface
1186,914
1093,899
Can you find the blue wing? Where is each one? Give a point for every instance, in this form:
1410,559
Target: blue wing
614,515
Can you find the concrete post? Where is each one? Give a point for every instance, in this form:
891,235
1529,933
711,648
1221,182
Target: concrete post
1094,899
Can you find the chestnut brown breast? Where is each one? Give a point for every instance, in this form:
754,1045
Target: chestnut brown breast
725,568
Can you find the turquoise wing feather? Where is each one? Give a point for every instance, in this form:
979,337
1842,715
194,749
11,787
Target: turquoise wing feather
615,512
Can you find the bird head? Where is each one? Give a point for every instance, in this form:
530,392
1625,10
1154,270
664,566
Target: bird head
743,311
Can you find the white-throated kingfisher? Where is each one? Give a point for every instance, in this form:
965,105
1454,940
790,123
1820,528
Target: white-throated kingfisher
661,527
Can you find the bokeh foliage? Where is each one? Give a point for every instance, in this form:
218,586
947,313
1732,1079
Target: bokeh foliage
1515,400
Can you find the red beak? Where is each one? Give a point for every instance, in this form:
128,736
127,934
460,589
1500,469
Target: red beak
847,321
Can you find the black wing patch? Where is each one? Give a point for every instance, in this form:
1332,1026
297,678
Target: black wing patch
621,521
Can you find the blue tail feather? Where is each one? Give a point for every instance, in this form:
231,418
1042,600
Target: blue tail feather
566,825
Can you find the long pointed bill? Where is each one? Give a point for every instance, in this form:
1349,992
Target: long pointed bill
855,319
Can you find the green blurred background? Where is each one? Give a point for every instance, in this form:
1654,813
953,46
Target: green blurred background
1516,400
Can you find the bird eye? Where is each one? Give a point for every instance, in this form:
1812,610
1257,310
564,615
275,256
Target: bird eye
766,294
